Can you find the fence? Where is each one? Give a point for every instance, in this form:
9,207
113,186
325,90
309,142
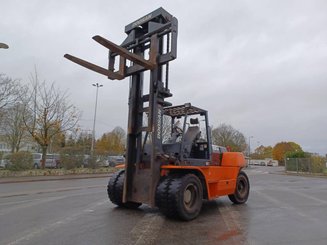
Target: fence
304,165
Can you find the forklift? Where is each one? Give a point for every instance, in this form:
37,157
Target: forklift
171,162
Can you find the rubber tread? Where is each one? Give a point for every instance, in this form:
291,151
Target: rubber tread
234,197
169,197
115,188
166,189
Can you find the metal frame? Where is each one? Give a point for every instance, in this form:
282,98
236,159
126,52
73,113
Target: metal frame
184,111
155,33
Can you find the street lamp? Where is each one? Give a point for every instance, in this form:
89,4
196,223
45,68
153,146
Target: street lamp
3,45
249,148
97,85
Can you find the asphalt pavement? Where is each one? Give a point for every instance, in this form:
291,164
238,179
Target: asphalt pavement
281,209
5,180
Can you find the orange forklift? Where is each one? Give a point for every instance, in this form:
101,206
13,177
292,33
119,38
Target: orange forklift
171,162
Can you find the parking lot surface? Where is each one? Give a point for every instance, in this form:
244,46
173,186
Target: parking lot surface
281,209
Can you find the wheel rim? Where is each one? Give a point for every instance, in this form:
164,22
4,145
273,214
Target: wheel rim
190,196
242,187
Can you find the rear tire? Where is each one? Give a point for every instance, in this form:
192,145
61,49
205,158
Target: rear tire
242,189
115,191
180,196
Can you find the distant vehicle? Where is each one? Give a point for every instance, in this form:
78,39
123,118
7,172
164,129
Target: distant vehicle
102,161
51,161
262,164
116,160
219,149
86,159
3,163
270,164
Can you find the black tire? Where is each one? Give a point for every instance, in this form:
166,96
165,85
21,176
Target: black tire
36,166
115,191
242,189
180,196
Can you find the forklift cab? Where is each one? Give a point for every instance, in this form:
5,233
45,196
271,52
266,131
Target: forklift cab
188,139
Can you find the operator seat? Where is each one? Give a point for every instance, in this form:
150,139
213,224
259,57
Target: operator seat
192,134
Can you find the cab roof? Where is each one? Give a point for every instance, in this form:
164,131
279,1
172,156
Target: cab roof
182,110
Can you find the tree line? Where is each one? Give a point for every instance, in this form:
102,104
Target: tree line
41,113
34,112
226,135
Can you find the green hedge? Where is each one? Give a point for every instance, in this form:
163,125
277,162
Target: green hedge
314,164
20,161
318,164
73,158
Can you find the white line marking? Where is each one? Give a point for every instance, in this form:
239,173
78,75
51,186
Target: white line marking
279,204
30,204
309,197
147,229
232,219
33,202
46,228
18,202
13,194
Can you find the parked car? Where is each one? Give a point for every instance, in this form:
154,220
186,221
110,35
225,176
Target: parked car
270,164
116,160
96,161
3,163
51,161
102,161
86,159
219,149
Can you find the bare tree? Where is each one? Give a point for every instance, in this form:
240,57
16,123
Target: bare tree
51,113
9,91
11,112
226,135
13,128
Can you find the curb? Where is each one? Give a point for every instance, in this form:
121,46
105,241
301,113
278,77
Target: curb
305,174
8,180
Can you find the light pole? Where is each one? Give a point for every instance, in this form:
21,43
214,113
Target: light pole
3,45
249,148
97,85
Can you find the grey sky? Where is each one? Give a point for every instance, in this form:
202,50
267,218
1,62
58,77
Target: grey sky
258,65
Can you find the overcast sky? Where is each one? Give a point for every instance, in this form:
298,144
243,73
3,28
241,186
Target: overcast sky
258,65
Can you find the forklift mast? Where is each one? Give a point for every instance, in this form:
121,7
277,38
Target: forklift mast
150,45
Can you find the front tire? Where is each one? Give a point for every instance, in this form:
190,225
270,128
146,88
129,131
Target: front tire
180,196
242,190
115,191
